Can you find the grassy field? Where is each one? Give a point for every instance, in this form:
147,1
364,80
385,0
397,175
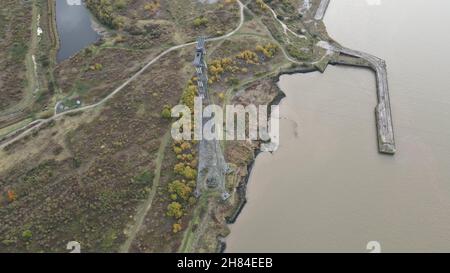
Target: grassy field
13,51
26,79
87,177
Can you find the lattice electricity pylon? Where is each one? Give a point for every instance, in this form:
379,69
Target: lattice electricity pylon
212,168
201,68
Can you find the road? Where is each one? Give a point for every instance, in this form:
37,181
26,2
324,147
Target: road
20,133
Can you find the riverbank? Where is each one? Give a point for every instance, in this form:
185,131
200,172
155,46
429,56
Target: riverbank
336,57
341,194
242,188
82,139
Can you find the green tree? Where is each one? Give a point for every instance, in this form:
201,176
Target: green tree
200,21
176,228
179,168
120,4
27,234
166,113
180,189
175,210
189,173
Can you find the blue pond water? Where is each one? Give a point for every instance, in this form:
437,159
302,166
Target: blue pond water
75,29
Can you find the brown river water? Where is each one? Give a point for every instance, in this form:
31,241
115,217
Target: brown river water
327,189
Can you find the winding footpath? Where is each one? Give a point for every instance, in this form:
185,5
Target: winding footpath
20,133
386,139
385,128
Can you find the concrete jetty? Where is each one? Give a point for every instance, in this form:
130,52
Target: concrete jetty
323,6
385,128
386,139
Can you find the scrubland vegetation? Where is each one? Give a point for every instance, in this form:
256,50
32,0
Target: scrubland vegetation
86,175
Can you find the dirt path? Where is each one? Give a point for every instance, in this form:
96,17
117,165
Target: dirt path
30,71
147,205
20,133
145,208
